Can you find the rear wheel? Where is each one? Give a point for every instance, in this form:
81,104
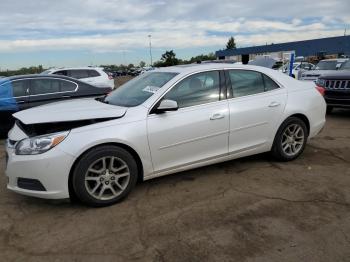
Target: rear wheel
104,176
290,139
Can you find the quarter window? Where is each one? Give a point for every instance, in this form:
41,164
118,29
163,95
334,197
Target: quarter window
67,86
197,89
93,73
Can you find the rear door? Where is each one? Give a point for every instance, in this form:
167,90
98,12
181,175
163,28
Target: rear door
256,106
44,91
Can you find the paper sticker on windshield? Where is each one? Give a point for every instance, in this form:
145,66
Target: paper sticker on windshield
151,89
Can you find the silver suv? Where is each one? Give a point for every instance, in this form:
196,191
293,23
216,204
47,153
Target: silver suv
323,67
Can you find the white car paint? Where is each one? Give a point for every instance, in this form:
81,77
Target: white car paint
101,80
166,143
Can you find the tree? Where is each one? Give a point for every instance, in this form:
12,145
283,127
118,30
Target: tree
231,44
142,64
169,58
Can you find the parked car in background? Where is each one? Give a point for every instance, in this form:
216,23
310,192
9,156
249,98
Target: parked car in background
95,76
297,67
323,67
22,92
336,87
162,122
266,61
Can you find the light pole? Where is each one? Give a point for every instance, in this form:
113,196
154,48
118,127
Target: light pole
150,48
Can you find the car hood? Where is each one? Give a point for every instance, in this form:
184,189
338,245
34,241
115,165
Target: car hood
338,75
72,110
317,72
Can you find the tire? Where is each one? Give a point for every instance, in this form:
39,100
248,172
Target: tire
284,141
96,172
329,109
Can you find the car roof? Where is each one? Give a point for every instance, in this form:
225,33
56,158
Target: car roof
336,59
192,68
18,77
76,68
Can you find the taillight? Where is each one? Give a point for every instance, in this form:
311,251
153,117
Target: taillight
110,77
321,89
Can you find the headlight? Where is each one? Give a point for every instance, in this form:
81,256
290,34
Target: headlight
39,144
320,82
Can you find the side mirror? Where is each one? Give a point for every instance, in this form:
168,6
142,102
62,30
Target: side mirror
166,105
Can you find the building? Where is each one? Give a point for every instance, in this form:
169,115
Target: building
317,48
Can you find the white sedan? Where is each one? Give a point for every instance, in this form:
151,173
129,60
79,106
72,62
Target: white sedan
162,122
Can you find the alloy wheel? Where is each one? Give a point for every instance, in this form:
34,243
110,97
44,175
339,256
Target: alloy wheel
293,139
107,178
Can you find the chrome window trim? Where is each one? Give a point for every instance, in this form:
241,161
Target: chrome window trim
50,78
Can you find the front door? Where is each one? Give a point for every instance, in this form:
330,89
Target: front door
197,131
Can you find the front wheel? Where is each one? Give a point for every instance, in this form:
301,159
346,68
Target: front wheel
104,176
290,139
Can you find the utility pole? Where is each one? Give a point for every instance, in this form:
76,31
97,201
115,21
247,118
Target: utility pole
150,48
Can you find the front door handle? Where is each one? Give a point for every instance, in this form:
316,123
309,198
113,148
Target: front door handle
217,116
274,104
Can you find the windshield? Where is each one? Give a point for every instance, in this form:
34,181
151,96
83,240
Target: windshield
346,66
139,89
327,65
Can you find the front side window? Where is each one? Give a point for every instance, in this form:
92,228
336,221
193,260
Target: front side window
44,86
19,88
138,90
61,73
196,89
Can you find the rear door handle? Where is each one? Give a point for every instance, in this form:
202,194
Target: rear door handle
217,116
65,96
274,104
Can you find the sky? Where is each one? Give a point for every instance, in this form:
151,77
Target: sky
94,32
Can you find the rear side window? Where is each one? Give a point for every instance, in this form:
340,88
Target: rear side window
19,88
245,83
93,73
269,83
79,74
67,86
44,86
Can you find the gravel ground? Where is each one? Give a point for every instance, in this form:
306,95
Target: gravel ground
251,209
